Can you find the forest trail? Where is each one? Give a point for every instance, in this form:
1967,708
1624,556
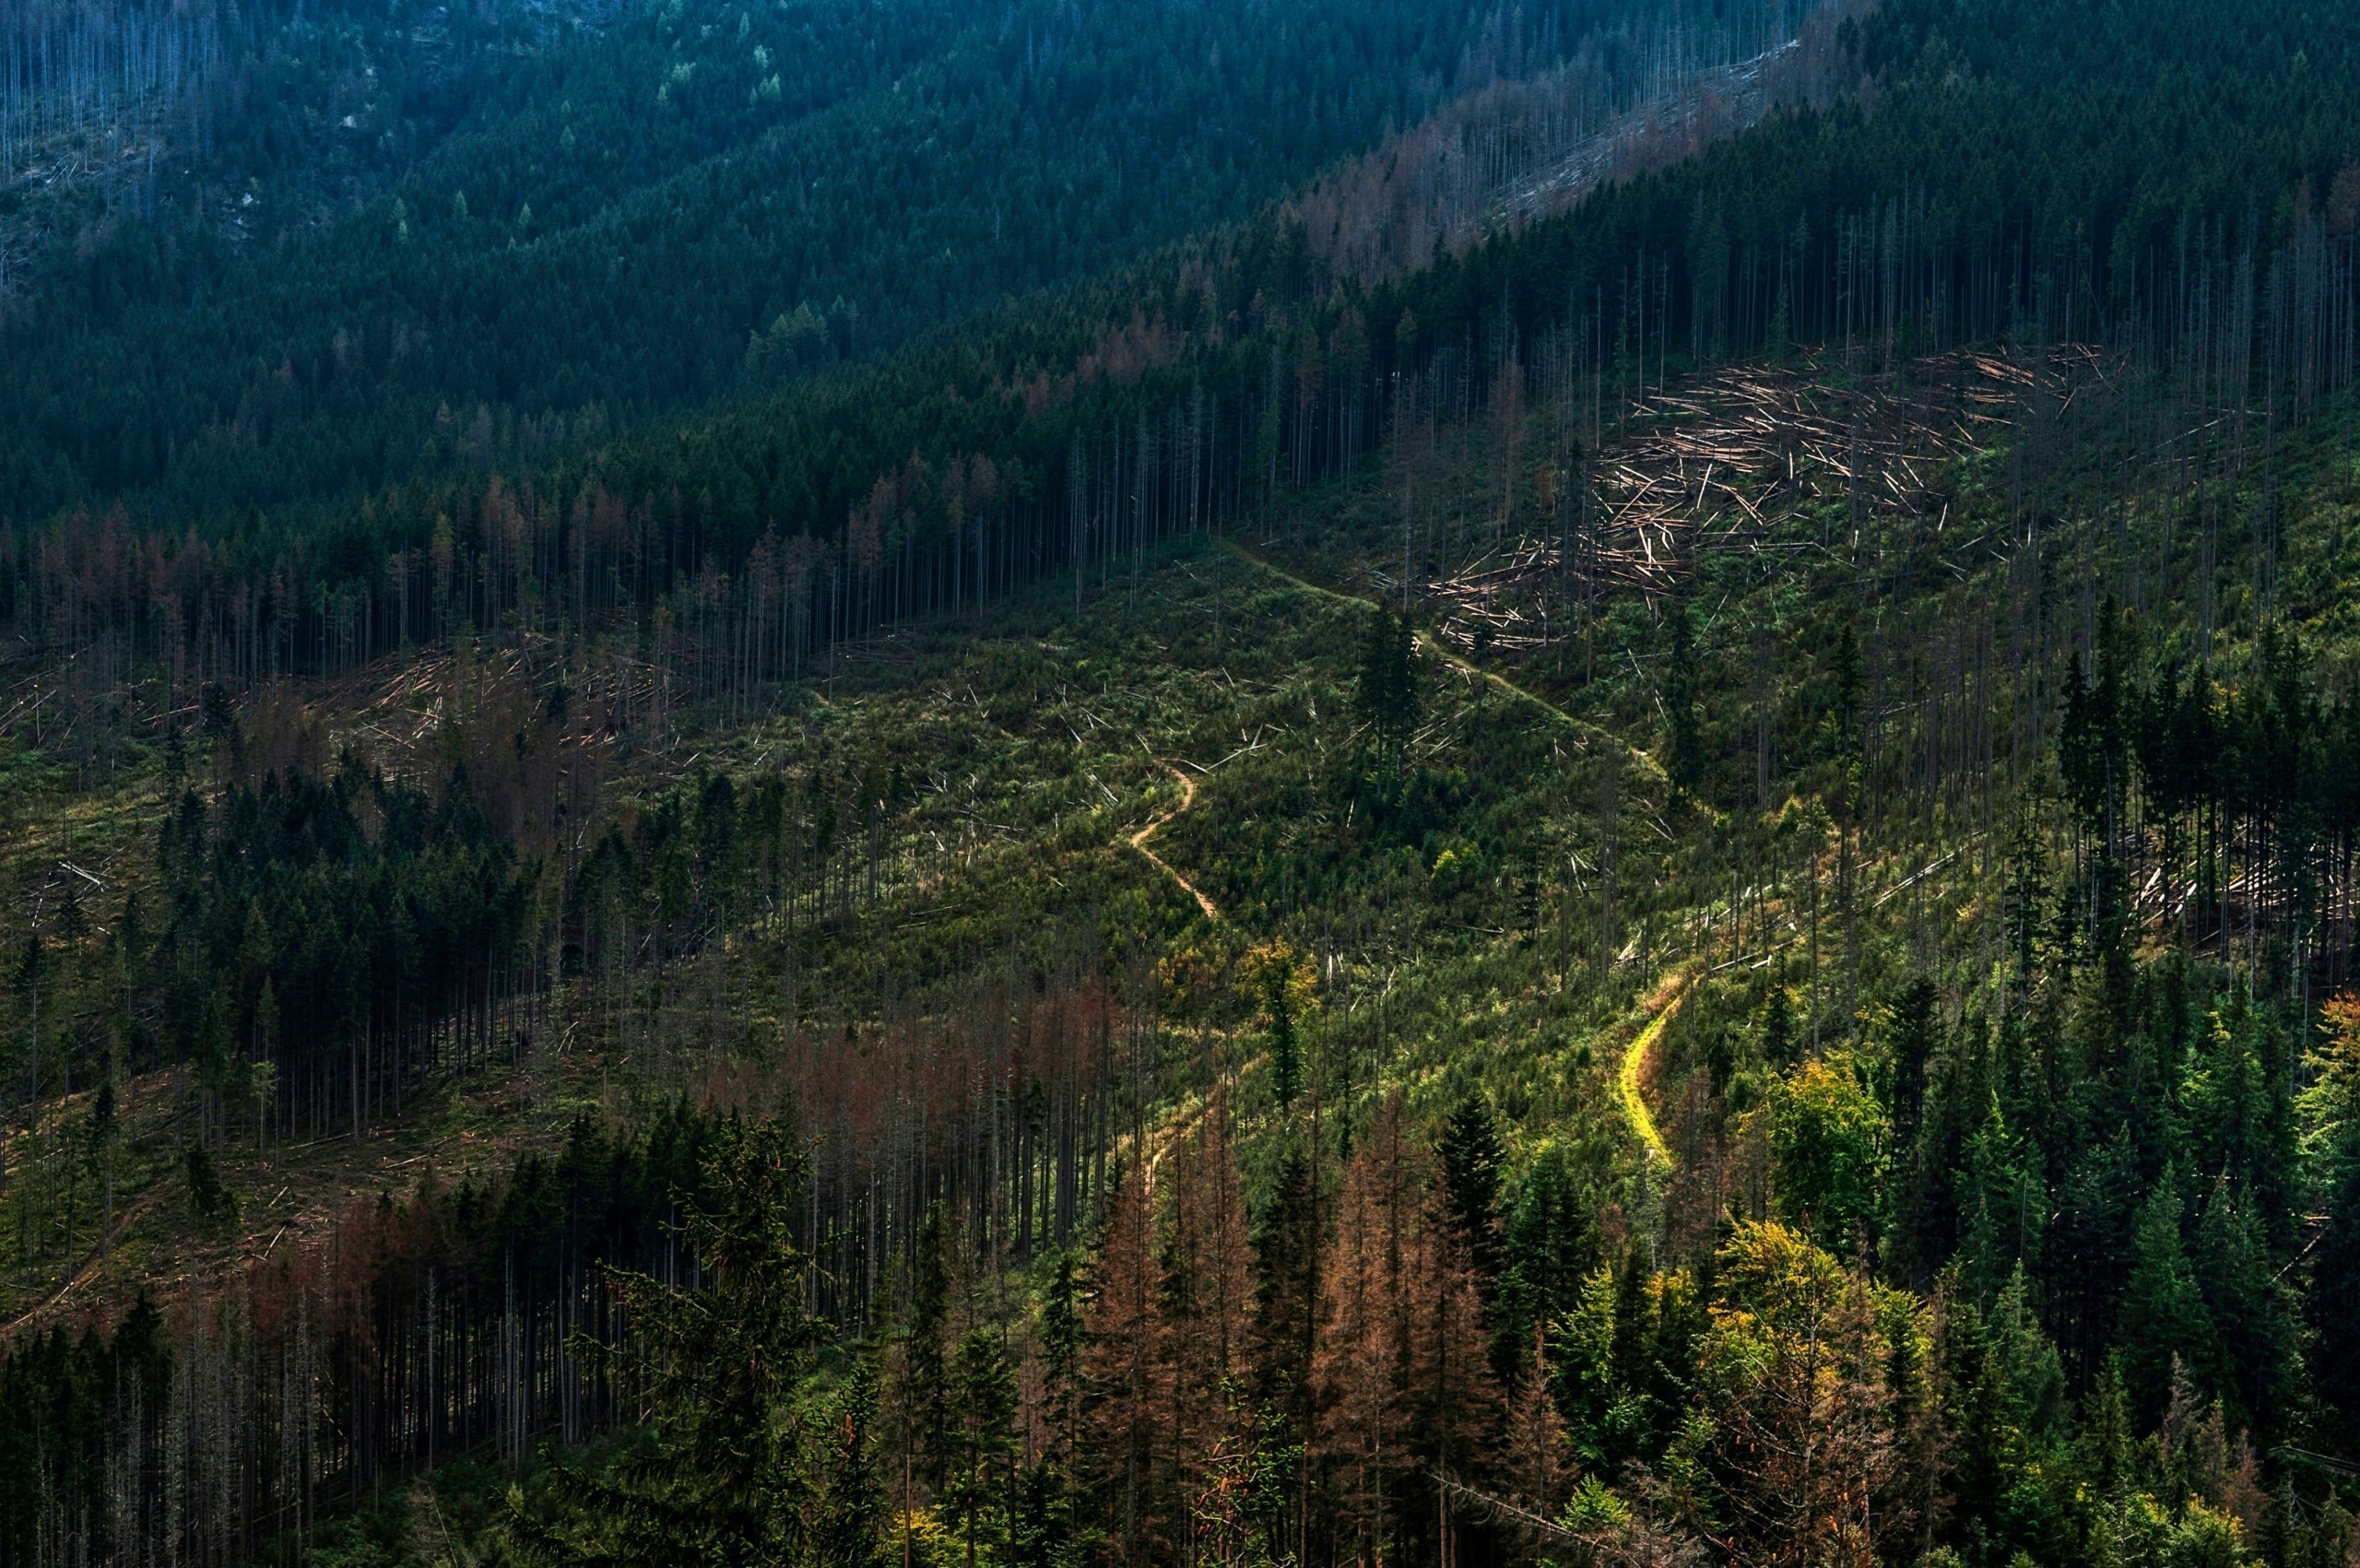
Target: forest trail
1185,1120
1666,1003
1647,763
1139,841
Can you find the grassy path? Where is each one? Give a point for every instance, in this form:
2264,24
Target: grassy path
1634,1065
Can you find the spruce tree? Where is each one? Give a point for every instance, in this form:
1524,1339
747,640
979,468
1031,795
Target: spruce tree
1061,1348
1775,1028
1388,699
2103,1447
1286,1051
2254,1336
850,1529
2164,1324
2334,1299
1915,1038
1985,1458
926,1353
1471,1162
1550,1242
1044,1531
978,1491
725,1478
1683,724
1287,1250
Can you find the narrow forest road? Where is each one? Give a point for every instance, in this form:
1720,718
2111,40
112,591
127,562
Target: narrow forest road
1190,1115
1587,730
1139,841
1666,1003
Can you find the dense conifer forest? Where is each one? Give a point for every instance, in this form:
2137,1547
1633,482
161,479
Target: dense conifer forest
1155,784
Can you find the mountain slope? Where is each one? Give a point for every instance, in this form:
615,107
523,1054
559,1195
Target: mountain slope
1748,960
600,229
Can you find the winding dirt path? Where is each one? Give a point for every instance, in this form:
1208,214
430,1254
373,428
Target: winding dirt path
1191,1112
1139,841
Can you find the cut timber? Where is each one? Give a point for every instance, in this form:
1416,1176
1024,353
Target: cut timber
1585,731
1718,465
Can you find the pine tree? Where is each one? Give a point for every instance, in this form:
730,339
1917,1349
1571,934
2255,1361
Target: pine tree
1683,724
849,1532
1389,699
725,1479
978,1494
2164,1324
1471,1161
926,1353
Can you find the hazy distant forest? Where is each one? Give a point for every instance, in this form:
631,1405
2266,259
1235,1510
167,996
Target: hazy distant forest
1105,785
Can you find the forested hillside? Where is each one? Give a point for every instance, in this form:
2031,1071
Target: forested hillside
394,239
1601,811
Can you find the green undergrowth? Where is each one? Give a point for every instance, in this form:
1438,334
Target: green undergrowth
1491,886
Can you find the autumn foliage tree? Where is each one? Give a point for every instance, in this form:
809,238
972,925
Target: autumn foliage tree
1802,1378
1403,1371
